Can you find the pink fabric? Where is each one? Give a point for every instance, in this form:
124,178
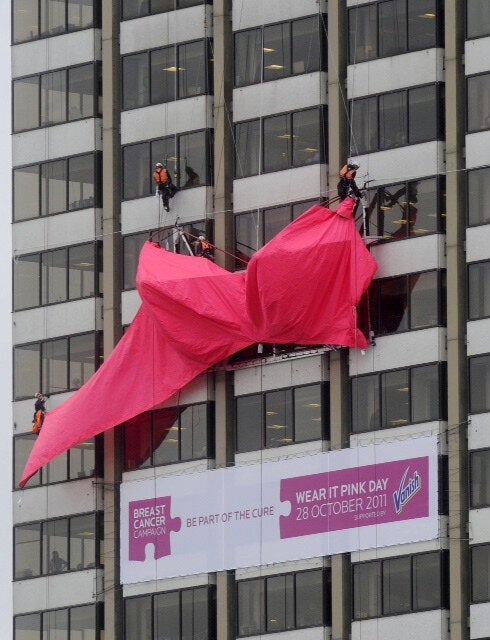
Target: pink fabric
302,287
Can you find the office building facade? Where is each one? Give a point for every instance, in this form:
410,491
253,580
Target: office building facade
253,106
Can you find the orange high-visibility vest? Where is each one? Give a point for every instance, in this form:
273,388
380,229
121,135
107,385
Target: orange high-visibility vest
161,176
347,173
38,423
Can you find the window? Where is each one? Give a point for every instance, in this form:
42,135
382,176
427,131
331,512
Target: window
281,141
478,196
82,461
57,186
478,290
478,107
396,398
84,621
168,435
55,17
58,365
284,602
280,50
247,150
480,573
401,585
56,97
395,119
162,75
406,303
392,27
56,546
480,478
477,19
188,614
188,157
408,209
280,417
132,9
55,276
479,384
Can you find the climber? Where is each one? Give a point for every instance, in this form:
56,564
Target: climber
204,249
347,185
164,184
39,412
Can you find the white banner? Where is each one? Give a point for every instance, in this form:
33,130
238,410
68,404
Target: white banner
304,507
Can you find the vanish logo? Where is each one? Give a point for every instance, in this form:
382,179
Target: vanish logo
407,490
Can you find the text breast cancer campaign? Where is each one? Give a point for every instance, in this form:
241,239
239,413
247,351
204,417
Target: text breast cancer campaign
290,509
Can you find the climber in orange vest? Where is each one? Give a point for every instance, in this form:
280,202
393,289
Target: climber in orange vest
164,184
347,185
204,249
39,412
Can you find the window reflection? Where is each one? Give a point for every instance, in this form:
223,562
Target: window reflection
166,436
477,19
392,27
407,210
279,417
187,154
400,397
410,116
248,57
478,102
478,196
479,383
480,478
54,97
283,602
479,290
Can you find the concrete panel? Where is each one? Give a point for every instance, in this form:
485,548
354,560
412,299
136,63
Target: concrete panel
159,120
165,28
478,242
51,232
413,626
53,501
298,92
282,567
480,620
57,141
400,433
405,256
255,13
391,352
55,53
278,375
64,590
52,321
130,304
396,72
171,584
397,550
281,187
477,149
477,336
479,523
147,213
406,163
281,453
477,56
479,431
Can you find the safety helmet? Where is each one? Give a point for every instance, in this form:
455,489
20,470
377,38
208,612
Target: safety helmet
159,164
202,238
